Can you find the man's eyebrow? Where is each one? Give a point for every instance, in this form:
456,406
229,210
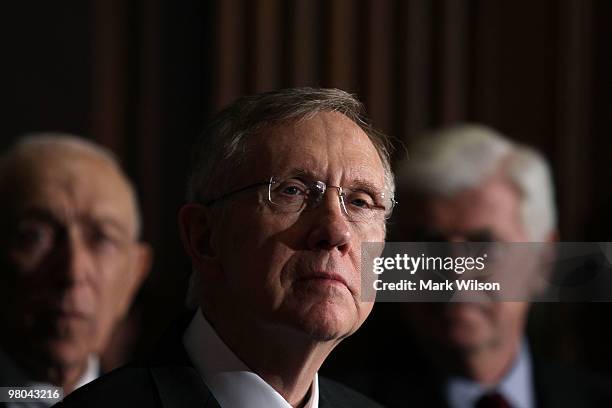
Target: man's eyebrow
355,184
46,215
38,214
366,185
302,172
107,221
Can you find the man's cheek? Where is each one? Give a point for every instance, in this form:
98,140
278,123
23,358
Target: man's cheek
102,329
25,264
364,309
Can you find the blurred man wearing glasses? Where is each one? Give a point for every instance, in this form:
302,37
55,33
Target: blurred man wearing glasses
285,188
470,183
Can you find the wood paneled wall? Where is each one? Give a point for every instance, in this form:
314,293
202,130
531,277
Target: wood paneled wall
527,68
536,70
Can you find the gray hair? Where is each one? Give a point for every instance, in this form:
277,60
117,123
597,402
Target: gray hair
222,145
463,156
40,142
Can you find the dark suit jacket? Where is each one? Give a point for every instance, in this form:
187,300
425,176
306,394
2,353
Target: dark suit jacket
398,373
168,379
555,386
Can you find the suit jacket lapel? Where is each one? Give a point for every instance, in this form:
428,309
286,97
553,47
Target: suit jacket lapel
177,381
553,389
181,386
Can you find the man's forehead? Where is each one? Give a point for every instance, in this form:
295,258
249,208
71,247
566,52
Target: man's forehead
492,202
325,143
79,189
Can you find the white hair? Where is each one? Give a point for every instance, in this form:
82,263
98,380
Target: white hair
41,142
463,156
222,145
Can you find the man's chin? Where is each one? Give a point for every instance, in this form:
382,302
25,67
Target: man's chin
65,353
325,322
467,342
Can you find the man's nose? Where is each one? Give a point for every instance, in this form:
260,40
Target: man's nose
74,262
331,228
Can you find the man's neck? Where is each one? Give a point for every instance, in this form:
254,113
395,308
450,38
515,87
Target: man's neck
39,369
287,360
486,366
489,366
67,377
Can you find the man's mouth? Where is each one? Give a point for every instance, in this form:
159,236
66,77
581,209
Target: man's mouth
67,314
327,278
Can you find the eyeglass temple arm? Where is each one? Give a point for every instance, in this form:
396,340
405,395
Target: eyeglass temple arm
240,190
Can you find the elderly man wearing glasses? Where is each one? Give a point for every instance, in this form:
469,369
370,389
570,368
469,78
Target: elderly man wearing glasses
285,187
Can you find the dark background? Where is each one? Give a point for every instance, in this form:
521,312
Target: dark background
143,76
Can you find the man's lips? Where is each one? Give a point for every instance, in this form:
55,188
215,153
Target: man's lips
330,277
61,314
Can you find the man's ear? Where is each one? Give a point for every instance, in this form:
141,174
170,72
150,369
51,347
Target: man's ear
144,262
547,258
195,224
139,270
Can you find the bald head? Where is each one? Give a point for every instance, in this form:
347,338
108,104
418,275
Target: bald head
43,157
71,258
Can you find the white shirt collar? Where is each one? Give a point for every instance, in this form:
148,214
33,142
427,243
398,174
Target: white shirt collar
516,386
230,381
91,373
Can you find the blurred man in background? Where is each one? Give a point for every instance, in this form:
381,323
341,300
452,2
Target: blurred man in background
469,183
71,259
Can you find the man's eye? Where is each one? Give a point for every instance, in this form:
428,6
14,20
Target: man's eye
34,235
361,201
100,238
292,188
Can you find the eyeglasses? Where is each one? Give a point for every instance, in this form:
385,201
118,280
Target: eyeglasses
293,195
